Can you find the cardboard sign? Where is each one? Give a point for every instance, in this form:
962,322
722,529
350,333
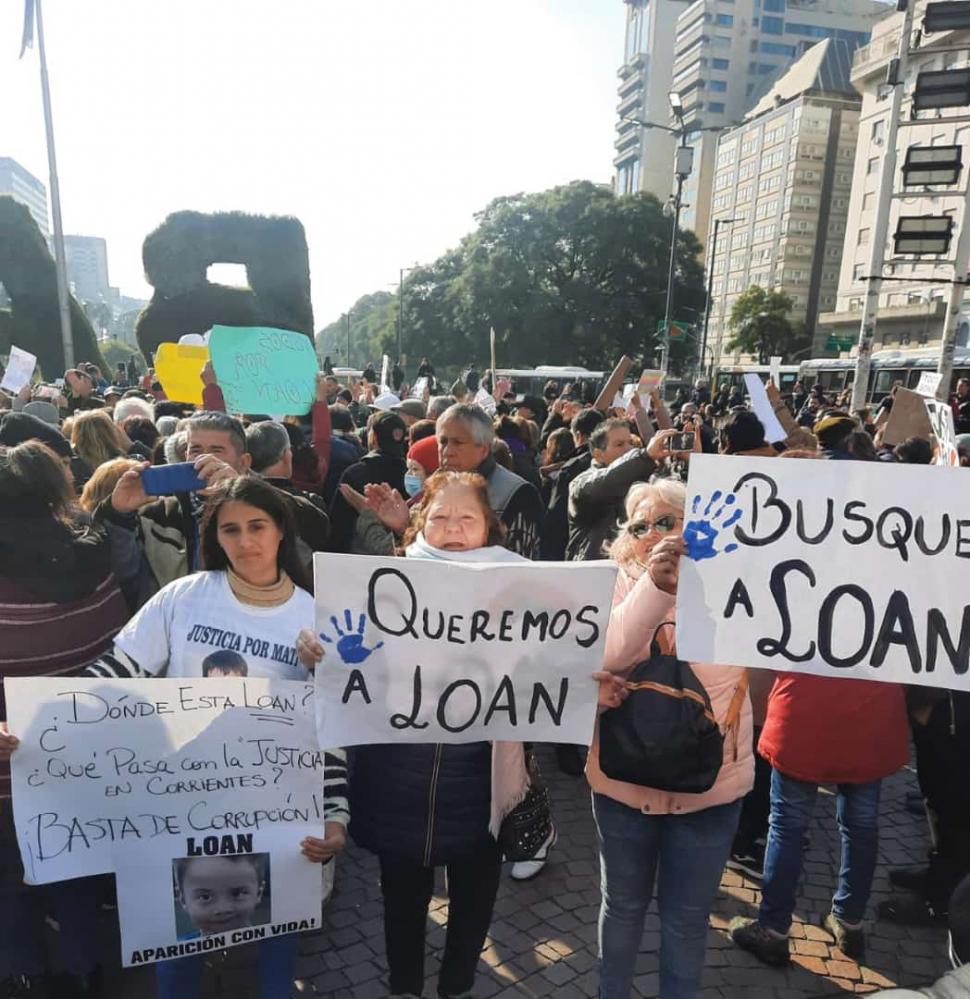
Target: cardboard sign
262,370
226,889
385,374
908,418
19,371
179,368
484,400
835,568
161,763
420,389
761,405
929,382
941,420
422,650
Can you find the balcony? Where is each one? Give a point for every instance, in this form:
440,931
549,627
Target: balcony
625,141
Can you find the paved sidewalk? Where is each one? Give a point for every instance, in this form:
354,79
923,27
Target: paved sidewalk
543,936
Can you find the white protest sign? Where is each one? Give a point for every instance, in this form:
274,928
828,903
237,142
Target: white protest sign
420,387
836,568
165,763
761,405
174,906
484,400
929,382
941,420
425,651
19,371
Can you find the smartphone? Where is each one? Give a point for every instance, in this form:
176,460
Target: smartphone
46,392
681,442
164,480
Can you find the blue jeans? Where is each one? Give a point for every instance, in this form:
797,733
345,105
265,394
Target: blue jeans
792,801
685,855
182,978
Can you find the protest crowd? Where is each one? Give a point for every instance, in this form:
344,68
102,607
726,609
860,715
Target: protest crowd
121,510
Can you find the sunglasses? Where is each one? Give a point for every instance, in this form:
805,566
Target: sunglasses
662,526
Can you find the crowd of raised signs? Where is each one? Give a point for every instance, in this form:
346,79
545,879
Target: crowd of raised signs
120,510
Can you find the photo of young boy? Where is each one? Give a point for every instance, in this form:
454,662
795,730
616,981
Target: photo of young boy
219,894
225,662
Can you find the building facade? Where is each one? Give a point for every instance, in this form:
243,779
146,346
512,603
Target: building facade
24,187
912,300
781,185
728,54
644,157
87,268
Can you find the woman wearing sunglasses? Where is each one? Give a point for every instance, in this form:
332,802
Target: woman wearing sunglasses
647,836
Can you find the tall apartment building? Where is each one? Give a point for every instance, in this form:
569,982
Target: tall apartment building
24,187
727,53
644,157
784,178
912,309
87,268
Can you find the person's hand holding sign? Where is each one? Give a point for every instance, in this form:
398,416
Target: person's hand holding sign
309,649
663,563
8,743
208,374
322,850
613,691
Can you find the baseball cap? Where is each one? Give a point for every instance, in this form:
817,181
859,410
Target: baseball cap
390,431
411,407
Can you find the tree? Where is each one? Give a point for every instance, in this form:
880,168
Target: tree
761,325
572,275
115,352
177,256
369,318
29,276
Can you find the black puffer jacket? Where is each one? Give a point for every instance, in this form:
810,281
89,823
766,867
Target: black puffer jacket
428,803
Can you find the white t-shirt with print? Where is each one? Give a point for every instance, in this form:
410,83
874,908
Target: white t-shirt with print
197,622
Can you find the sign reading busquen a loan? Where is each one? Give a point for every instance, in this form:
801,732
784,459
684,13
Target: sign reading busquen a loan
837,568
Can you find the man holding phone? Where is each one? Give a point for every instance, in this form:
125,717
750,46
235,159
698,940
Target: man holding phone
165,530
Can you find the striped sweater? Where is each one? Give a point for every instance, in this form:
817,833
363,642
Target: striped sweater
54,639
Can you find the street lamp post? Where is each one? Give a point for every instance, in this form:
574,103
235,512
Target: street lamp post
710,290
348,338
683,164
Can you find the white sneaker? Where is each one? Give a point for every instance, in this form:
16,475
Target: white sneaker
524,870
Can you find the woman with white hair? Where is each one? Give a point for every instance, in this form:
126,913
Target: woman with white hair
680,841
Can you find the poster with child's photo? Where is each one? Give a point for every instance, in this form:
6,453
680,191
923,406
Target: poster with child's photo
225,890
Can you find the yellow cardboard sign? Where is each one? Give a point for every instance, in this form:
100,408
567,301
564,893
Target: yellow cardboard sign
179,369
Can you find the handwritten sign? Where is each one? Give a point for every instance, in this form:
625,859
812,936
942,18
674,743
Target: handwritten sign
836,568
221,891
929,382
179,367
427,651
164,764
19,371
262,370
941,422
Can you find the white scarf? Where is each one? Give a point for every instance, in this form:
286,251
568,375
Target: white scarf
419,548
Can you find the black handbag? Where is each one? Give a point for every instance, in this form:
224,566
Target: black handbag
664,735
529,824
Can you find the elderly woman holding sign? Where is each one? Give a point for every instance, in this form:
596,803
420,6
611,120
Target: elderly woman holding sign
419,807
679,839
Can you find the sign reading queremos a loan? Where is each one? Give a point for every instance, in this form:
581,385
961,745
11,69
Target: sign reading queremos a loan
428,651
172,765
836,568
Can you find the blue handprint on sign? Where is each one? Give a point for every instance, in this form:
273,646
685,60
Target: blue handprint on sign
350,643
702,530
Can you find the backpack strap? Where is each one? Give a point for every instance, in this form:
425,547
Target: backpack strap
737,703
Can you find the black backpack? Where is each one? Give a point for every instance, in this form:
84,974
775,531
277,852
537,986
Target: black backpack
665,735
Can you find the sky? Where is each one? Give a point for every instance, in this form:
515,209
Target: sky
383,125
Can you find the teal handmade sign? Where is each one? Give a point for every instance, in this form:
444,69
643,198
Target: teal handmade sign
262,370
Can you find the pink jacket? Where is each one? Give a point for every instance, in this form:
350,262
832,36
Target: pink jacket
638,607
